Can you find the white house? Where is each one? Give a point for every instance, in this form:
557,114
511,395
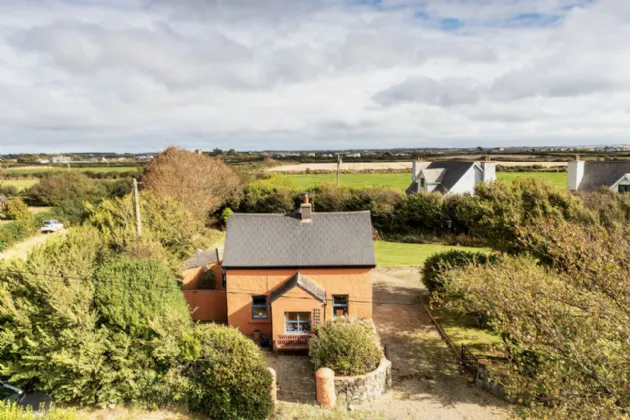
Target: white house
450,177
591,176
61,159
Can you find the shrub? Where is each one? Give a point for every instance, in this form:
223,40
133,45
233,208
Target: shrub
225,214
230,379
207,280
139,297
56,188
422,211
9,190
347,345
438,264
70,212
14,412
11,233
16,209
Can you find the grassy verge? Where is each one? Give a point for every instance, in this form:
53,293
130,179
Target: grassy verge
32,170
20,184
396,254
402,181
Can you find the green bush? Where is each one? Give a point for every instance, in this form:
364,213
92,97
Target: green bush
16,209
230,379
207,280
12,233
139,297
58,187
438,264
347,345
70,212
14,412
225,214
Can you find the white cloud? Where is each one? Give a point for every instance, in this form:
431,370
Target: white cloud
140,75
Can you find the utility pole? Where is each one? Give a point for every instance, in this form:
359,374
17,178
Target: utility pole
137,203
338,166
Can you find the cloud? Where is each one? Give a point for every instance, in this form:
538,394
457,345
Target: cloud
140,75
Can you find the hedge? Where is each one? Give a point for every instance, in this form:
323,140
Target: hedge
347,345
436,265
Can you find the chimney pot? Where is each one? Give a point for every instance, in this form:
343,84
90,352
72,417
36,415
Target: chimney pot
306,210
577,157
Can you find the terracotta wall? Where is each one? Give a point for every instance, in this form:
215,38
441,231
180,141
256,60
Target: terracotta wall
243,284
207,305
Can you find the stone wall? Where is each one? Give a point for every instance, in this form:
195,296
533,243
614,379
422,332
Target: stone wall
491,380
361,388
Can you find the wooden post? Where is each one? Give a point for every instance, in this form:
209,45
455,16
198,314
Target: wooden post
137,203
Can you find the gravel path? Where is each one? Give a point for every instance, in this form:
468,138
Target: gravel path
22,249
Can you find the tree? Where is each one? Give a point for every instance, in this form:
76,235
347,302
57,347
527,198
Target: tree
200,182
53,190
565,323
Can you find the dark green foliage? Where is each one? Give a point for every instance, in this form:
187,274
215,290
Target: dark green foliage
230,379
423,211
70,212
207,280
58,187
16,209
135,296
8,190
438,264
347,345
12,233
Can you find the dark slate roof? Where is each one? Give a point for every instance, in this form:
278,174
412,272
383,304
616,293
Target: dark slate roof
278,240
454,171
599,174
202,258
305,283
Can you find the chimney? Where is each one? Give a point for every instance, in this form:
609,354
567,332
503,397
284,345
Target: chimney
416,167
306,210
198,151
489,170
576,173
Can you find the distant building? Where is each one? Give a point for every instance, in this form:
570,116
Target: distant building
450,177
591,176
354,155
43,161
61,159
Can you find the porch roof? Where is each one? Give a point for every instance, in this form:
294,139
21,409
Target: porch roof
305,283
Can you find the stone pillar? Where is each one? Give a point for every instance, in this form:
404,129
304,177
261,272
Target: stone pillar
325,384
274,387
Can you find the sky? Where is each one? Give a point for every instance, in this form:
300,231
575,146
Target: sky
140,75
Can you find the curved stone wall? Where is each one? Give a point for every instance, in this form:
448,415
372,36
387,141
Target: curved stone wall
361,388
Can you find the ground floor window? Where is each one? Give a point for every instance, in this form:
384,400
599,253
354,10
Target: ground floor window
260,309
340,305
623,189
297,322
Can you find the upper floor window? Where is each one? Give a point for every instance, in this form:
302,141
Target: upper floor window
340,305
623,189
260,309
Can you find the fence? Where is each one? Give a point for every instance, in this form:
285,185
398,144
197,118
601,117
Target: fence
469,360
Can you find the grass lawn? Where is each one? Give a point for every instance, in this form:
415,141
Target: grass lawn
32,170
402,181
555,179
397,254
20,184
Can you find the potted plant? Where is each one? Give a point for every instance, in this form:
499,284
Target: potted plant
257,335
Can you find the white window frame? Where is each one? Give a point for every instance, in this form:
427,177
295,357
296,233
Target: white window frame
298,322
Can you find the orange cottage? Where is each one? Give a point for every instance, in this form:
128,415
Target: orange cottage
284,274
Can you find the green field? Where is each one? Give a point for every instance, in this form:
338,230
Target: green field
402,181
397,254
555,179
20,184
59,169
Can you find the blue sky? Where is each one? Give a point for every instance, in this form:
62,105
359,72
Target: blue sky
139,75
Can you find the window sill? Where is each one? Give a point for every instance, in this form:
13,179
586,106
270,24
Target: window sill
260,321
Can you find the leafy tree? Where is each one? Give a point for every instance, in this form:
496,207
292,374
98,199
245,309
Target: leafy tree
565,323
200,182
436,265
16,209
55,189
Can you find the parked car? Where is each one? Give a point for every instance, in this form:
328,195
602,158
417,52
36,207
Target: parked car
37,401
51,226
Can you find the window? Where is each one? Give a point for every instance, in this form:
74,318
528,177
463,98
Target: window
260,310
623,189
297,322
422,182
340,305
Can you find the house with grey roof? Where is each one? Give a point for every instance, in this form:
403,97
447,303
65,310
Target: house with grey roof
286,273
450,177
592,176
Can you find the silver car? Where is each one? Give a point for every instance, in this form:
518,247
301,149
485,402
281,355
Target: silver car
51,226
